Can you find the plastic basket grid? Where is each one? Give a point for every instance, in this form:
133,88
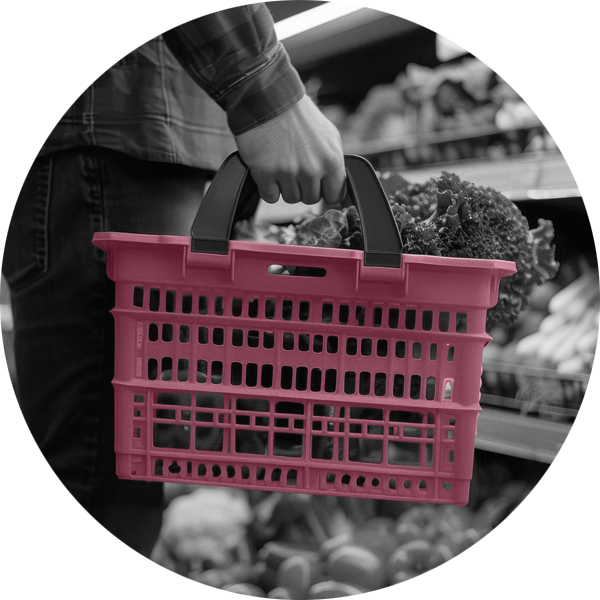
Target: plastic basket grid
361,382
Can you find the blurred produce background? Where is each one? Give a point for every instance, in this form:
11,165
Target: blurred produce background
444,113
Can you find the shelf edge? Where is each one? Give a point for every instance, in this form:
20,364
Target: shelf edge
520,436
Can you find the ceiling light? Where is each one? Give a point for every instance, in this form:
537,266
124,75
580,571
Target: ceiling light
319,15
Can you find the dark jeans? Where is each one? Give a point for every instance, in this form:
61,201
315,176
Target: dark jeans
61,298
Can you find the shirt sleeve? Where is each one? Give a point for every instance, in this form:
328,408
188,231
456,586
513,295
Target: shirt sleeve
235,56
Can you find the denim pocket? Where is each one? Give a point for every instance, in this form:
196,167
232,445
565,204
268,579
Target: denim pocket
26,251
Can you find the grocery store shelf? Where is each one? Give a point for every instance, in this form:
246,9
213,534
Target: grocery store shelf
531,176
519,436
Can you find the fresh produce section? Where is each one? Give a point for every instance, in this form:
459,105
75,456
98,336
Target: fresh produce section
457,111
302,547
541,368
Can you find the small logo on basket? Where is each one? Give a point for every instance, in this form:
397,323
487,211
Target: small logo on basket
138,367
139,335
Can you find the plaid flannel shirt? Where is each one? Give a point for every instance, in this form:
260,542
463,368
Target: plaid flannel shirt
179,97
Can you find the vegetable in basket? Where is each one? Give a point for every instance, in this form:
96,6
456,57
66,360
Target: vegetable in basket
449,217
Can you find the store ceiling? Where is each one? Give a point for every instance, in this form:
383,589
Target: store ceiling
284,9
350,32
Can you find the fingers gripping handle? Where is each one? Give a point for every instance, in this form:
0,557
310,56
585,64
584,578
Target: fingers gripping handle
233,186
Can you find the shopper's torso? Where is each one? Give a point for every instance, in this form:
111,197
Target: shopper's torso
97,72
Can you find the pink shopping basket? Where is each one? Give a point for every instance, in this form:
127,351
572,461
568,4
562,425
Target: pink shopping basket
358,375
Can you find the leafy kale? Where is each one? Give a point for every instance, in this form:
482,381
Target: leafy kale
450,217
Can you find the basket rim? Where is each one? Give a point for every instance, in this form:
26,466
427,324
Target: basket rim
506,267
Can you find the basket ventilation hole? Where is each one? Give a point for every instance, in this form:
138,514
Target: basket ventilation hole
427,320
186,304
170,301
154,299
360,315
236,307
398,385
287,310
377,316
202,335
344,314
444,322
253,308
327,313
174,467
366,347
292,477
433,352
303,342
415,387
138,296
382,348
351,346
218,336
184,334
270,306
294,271
202,305
447,486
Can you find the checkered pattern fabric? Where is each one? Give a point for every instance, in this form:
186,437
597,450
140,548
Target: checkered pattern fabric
179,97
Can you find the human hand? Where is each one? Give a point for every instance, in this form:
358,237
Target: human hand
297,154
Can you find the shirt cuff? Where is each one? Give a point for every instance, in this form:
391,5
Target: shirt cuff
263,94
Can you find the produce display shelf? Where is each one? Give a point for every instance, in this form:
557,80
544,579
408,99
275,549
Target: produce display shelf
520,436
542,175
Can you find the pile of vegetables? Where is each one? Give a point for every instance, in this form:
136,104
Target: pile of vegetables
542,366
450,217
567,335
303,547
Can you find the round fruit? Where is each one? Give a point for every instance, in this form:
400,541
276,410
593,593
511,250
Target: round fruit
358,566
333,589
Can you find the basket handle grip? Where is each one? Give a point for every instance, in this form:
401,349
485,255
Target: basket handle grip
232,186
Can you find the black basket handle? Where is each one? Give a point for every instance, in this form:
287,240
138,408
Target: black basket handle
233,186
